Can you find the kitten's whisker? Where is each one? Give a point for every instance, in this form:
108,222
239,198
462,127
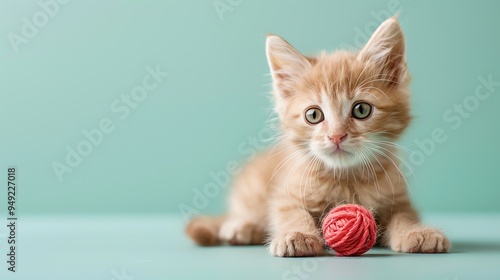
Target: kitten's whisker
378,78
283,162
283,149
395,165
396,145
290,171
375,78
305,172
371,168
385,172
381,91
380,145
361,74
294,167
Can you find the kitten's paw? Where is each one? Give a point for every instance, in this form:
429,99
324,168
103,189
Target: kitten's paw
296,244
426,240
239,232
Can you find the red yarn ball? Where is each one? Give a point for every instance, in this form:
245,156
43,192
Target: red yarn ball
350,230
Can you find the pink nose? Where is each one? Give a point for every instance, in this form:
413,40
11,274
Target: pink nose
337,139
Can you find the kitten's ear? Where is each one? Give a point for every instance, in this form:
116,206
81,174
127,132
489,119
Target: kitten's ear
386,49
285,62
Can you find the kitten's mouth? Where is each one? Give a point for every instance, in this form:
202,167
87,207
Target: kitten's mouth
341,152
337,157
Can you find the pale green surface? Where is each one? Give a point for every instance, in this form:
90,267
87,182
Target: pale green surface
66,77
150,248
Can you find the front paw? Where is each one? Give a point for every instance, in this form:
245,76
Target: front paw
424,240
296,244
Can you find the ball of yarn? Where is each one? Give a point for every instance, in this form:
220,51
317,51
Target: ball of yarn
350,230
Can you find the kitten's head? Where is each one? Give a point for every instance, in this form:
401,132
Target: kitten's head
343,108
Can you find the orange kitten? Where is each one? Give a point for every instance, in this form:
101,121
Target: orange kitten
340,115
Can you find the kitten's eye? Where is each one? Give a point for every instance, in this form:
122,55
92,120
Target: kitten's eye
314,116
361,110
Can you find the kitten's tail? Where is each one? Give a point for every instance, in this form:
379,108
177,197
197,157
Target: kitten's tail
204,230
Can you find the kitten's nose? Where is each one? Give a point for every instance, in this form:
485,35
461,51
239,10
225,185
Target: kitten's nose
337,139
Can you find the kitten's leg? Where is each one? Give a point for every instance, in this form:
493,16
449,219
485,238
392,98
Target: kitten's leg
241,231
246,219
295,233
244,224
405,233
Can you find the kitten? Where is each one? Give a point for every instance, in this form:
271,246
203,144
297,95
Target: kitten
340,115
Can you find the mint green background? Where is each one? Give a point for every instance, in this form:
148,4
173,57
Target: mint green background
65,78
